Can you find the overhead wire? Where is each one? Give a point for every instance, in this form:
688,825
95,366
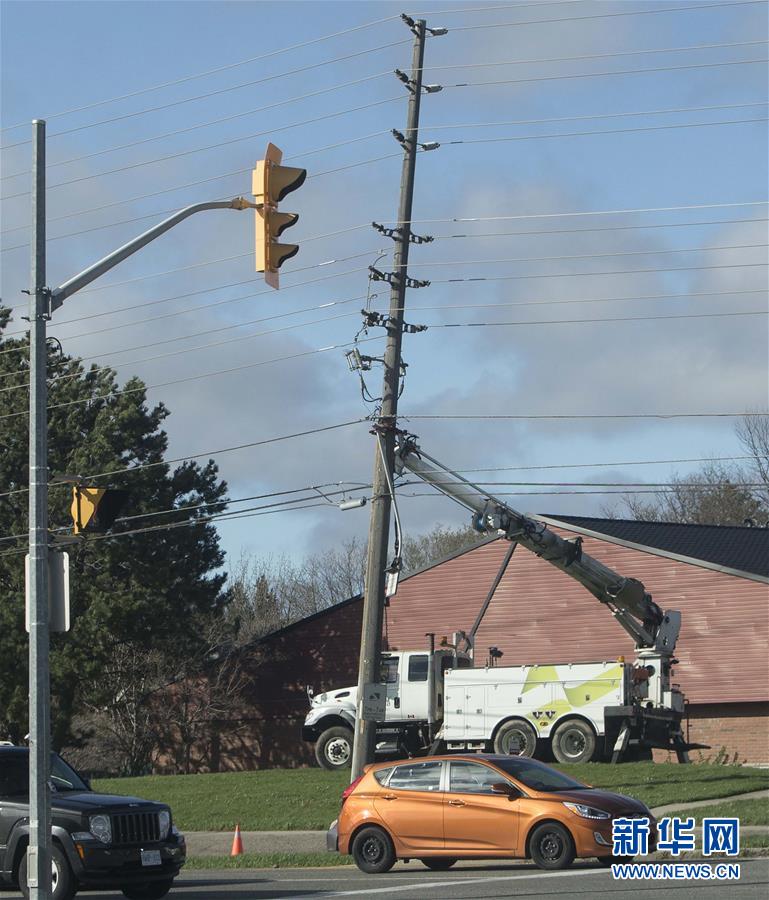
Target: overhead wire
613,15
550,416
229,66
129,470
180,153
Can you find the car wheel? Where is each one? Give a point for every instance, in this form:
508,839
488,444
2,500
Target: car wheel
610,860
151,890
516,738
63,884
333,749
438,863
551,846
373,851
574,742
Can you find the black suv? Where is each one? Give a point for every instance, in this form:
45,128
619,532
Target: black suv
99,840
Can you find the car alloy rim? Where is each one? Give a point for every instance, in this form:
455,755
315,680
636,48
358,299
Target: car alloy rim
574,742
372,850
551,846
338,751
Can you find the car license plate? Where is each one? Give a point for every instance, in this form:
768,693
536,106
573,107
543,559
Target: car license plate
151,858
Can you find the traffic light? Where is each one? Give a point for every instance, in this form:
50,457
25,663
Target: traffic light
271,183
95,509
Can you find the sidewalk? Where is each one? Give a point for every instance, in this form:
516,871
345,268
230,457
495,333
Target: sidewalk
219,843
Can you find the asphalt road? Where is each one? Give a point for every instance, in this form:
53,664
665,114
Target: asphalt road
466,882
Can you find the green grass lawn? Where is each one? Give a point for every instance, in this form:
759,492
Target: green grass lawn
269,861
749,812
299,799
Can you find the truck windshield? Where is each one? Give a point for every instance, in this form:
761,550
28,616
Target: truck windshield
14,776
538,776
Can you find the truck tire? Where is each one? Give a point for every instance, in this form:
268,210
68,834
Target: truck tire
62,880
574,742
516,737
333,749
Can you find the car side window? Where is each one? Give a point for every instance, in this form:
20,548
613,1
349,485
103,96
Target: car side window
416,777
472,778
381,775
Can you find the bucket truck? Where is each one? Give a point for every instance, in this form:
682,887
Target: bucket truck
441,699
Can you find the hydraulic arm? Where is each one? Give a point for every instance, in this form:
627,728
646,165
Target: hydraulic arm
627,598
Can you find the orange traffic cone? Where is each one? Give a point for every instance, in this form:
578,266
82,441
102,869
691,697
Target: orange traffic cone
237,843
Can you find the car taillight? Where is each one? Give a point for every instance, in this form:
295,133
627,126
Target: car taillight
350,788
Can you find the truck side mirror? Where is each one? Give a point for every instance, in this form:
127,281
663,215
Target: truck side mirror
504,787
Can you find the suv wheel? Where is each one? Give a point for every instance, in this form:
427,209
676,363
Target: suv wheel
63,885
333,749
151,890
551,846
373,851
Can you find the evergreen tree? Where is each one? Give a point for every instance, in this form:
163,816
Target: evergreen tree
148,590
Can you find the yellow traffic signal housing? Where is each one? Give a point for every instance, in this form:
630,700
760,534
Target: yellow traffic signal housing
95,509
271,183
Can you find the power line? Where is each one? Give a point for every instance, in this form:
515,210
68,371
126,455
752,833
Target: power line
216,146
207,453
483,262
146,387
582,57
497,416
541,137
586,274
722,315
637,12
643,462
213,71
168,134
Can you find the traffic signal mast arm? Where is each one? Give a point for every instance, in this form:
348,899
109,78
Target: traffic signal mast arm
77,282
627,598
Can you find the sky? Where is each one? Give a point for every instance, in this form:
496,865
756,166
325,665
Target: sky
559,126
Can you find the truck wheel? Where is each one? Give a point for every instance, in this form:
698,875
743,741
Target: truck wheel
151,890
63,882
333,749
516,737
573,742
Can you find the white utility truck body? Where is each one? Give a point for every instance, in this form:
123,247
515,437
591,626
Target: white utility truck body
444,699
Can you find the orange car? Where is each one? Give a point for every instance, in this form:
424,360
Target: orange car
443,808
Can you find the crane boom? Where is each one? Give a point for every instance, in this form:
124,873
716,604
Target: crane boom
628,599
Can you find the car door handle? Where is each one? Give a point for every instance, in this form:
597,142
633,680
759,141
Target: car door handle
456,802
390,797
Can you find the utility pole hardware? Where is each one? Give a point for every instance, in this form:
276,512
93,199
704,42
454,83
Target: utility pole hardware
384,429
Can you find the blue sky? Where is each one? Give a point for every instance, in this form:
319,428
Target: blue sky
88,52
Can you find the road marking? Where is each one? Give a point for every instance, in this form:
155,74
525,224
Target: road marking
424,885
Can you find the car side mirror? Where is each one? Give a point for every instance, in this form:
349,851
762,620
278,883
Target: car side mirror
504,787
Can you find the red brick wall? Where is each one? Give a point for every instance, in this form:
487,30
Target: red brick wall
736,732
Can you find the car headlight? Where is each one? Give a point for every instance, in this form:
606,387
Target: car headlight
587,812
101,828
164,823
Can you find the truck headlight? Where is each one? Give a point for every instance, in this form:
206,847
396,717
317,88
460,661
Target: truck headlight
101,828
164,823
587,812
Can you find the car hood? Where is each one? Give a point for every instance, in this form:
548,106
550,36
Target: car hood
86,801
606,800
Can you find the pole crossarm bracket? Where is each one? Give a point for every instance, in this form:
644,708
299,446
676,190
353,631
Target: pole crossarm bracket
396,234
394,278
372,319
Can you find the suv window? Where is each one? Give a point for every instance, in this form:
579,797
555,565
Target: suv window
390,670
472,778
14,776
418,668
416,777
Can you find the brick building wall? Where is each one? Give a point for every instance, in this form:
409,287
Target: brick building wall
735,732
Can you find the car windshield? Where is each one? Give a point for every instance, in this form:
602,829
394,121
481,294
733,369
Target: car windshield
14,776
538,776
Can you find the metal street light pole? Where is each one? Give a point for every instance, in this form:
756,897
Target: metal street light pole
42,302
39,852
